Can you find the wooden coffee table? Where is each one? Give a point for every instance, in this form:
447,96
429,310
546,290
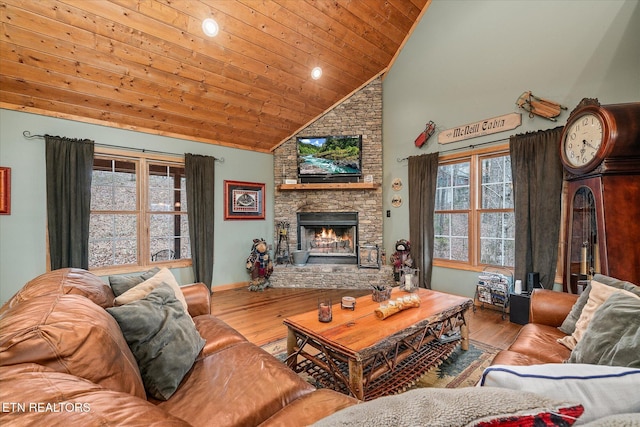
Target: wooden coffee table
359,354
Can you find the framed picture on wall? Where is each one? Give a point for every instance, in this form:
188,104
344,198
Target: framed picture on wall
5,191
243,200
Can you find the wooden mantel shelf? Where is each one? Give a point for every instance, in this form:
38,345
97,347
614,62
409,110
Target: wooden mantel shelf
332,186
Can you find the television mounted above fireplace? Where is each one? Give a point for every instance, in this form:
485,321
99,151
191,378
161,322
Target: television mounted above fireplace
331,158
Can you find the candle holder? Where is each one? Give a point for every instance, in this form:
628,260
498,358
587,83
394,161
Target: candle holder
348,303
324,311
409,279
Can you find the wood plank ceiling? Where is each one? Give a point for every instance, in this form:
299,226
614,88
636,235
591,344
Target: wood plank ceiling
147,65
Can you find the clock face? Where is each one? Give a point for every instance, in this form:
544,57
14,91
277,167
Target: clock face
582,140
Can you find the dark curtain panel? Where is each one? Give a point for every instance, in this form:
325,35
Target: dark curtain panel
537,182
199,171
423,174
69,164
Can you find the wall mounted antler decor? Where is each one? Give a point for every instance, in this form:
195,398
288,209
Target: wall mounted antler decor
539,106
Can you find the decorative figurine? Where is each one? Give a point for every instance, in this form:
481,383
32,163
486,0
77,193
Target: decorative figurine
401,258
259,265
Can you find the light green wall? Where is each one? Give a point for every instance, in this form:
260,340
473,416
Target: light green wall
22,234
470,60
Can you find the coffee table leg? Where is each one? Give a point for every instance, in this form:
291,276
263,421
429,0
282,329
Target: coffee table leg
291,348
355,378
464,330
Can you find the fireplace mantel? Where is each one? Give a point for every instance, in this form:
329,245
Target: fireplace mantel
331,186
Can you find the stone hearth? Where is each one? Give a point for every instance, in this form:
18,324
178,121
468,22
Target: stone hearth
330,276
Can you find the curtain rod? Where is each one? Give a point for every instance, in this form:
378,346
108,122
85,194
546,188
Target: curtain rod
472,146
28,135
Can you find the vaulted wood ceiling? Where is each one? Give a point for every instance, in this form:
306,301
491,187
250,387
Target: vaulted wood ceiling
147,65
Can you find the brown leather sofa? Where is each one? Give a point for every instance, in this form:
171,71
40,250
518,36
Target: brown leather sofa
537,341
64,361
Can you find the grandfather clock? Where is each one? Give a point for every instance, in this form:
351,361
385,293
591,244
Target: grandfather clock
600,150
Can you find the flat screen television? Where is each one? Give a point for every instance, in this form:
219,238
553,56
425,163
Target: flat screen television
333,158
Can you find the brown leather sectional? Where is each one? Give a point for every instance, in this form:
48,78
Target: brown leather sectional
537,341
64,361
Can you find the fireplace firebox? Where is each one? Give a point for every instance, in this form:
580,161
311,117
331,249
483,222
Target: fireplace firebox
329,237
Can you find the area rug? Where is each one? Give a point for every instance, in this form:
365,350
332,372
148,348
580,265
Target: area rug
460,369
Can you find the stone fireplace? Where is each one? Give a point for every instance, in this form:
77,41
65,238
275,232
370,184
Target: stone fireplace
350,214
329,237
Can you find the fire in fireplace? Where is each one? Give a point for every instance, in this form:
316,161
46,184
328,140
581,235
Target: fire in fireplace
327,241
330,237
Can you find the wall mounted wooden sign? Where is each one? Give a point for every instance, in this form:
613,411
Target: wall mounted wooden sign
481,128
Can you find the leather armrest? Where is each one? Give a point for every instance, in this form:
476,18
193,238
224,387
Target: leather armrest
550,307
198,298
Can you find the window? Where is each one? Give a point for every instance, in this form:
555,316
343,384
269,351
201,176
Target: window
138,213
474,219
452,212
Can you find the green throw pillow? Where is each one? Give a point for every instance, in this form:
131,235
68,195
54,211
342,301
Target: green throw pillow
569,324
613,335
162,338
121,284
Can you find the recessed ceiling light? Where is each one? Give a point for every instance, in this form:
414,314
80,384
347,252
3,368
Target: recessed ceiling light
210,27
316,73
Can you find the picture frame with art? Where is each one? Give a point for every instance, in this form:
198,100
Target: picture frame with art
244,200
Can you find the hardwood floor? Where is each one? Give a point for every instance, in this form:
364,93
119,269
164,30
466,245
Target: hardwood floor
258,315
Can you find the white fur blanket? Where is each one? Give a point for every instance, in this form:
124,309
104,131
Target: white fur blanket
445,407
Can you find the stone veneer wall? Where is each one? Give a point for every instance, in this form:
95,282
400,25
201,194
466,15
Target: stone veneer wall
330,276
360,114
